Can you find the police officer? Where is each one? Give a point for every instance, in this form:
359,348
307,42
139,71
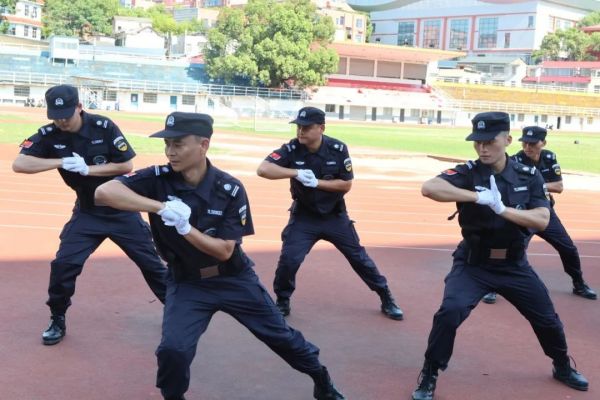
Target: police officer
320,172
198,215
534,155
498,200
87,150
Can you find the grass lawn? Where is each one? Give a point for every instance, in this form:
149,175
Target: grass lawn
576,151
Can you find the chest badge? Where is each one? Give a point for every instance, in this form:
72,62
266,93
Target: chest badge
99,160
59,146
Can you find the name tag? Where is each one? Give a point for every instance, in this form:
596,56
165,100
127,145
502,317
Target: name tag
330,163
214,212
520,189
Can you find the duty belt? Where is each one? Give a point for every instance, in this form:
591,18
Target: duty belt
479,254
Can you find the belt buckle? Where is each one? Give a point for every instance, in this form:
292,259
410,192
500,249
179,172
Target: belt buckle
498,254
209,272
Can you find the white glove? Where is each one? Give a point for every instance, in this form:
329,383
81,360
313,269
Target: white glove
307,178
491,197
75,164
176,213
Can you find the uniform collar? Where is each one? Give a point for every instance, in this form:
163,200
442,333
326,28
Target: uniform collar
204,187
85,124
510,173
323,151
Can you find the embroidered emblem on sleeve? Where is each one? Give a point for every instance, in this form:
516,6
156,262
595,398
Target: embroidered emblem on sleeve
242,212
275,156
26,144
450,172
348,164
120,143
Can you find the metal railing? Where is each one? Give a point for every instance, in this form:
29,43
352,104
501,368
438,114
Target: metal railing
524,108
30,78
533,86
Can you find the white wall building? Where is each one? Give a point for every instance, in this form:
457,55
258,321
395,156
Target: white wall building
26,22
510,27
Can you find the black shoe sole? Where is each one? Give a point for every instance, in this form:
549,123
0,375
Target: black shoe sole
394,317
48,342
589,297
580,388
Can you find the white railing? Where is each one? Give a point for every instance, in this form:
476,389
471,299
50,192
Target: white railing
524,108
533,86
30,78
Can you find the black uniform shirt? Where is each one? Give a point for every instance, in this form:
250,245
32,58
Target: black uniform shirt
331,161
521,187
547,165
99,141
219,208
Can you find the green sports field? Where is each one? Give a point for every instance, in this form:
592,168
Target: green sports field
577,152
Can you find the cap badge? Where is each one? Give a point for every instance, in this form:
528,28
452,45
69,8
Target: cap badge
171,121
59,102
529,133
481,125
302,114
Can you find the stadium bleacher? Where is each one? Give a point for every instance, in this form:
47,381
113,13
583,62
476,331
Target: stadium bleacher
519,95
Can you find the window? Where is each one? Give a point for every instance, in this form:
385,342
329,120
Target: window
359,23
21,91
497,70
520,117
544,119
109,95
488,28
568,120
406,33
12,30
415,113
150,98
531,21
590,120
25,31
512,117
431,34
34,12
340,20
507,40
358,38
459,32
596,88
26,10
188,100
329,107
34,32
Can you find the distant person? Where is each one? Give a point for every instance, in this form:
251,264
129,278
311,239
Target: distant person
498,200
320,172
534,155
199,215
87,150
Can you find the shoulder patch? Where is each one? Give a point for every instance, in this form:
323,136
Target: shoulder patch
338,146
471,164
101,122
120,143
26,144
450,172
275,156
231,188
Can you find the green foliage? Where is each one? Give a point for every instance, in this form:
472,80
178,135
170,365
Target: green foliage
4,27
369,29
590,19
8,5
272,43
77,18
162,20
571,44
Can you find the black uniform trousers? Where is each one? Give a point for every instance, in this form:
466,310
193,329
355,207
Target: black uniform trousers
82,235
300,235
189,308
556,235
518,283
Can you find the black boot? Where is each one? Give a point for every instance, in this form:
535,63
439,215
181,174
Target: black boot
427,380
583,290
569,376
324,389
283,303
388,305
56,330
489,298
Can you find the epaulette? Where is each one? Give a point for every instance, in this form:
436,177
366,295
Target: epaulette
46,129
471,164
290,147
337,145
162,170
524,169
549,155
230,187
100,121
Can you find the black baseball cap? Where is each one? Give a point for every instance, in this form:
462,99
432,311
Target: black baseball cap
533,134
309,116
487,125
180,124
61,101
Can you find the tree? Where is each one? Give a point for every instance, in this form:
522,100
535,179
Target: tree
571,45
8,6
590,19
67,17
271,43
